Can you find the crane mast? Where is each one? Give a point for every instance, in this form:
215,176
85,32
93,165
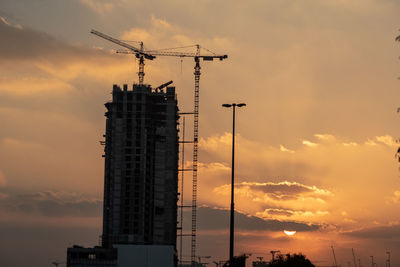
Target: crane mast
139,53
142,54
195,155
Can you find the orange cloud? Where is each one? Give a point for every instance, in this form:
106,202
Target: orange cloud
309,143
327,177
387,140
284,149
100,7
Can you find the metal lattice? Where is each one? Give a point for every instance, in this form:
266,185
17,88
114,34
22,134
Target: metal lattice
195,155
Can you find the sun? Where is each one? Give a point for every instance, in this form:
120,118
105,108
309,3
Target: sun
289,233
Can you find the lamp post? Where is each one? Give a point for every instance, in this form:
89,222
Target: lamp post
231,232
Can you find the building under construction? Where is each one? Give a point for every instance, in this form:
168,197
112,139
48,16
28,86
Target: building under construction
140,180
141,168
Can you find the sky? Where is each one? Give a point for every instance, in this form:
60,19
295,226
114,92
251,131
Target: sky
315,146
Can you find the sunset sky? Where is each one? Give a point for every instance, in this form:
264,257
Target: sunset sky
316,144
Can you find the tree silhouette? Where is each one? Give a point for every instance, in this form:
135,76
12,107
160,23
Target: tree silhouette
295,260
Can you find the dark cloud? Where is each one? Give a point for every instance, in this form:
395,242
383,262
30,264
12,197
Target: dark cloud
214,219
379,232
284,190
290,188
52,204
23,44
279,212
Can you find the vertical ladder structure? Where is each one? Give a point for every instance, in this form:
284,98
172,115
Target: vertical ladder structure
195,155
181,193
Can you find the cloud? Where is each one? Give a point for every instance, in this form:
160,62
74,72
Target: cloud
51,103
287,189
281,213
279,191
380,232
310,185
350,144
99,6
163,35
257,157
25,44
325,137
284,149
51,204
281,200
370,143
396,196
34,60
387,140
309,143
214,166
220,220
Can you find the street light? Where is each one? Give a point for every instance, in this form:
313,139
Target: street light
231,237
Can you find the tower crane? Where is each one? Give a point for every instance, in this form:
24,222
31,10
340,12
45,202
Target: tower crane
142,54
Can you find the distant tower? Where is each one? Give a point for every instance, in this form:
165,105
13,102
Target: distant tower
141,167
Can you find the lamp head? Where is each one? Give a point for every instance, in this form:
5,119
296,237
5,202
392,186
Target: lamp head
241,105
226,105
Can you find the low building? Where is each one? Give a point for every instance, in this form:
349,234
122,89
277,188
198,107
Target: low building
260,263
122,256
78,256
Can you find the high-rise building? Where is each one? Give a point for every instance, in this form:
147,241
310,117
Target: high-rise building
140,181
141,167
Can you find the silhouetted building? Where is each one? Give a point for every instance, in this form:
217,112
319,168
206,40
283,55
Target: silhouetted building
260,263
238,261
121,256
97,256
140,182
141,167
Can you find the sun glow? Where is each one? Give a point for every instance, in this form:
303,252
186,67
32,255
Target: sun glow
290,233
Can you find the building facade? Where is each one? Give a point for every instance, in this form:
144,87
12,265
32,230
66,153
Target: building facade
141,167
